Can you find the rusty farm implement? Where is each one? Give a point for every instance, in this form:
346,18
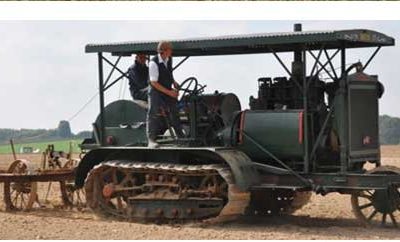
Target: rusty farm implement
22,178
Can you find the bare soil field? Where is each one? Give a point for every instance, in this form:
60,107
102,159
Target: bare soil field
328,217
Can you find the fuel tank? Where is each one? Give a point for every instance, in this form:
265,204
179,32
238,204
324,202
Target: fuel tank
279,132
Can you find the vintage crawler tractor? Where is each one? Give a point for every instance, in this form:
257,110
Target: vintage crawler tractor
302,134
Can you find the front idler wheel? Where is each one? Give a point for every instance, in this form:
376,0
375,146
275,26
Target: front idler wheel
378,207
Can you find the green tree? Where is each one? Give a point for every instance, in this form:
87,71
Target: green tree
389,130
64,129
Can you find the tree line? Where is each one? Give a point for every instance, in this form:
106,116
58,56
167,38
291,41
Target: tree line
63,131
389,132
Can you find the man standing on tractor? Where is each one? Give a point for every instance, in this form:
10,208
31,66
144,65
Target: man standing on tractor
138,75
162,110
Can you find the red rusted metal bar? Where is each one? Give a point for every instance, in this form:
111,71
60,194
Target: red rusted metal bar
44,176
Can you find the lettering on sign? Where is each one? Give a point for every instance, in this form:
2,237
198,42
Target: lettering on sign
365,37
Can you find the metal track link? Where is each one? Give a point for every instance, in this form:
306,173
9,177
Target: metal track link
147,192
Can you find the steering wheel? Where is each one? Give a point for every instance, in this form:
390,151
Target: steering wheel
188,86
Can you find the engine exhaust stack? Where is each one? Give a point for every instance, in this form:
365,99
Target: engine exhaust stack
297,64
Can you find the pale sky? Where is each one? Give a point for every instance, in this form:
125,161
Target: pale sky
46,77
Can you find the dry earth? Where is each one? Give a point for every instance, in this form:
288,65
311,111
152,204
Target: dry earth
328,217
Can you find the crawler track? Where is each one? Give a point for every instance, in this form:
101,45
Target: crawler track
143,192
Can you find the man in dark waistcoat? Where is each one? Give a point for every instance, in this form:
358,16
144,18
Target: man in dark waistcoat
138,75
163,95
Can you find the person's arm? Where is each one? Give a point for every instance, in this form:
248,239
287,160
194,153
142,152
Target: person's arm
176,85
153,74
160,88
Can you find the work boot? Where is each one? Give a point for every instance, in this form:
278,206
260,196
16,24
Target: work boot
152,144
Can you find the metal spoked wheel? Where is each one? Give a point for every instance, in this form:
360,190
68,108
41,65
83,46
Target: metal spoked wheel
71,196
378,207
20,195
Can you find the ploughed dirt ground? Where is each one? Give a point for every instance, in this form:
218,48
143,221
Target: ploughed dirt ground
328,217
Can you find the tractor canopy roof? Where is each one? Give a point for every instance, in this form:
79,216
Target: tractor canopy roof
253,43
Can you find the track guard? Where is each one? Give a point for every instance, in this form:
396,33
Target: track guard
242,167
91,159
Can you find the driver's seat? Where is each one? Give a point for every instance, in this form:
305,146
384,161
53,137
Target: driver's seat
141,103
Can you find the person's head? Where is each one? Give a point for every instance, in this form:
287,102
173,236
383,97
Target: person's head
141,58
164,48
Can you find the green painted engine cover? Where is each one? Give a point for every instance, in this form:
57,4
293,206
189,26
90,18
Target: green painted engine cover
280,132
125,122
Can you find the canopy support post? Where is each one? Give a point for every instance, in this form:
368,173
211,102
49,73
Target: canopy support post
101,94
372,57
180,63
